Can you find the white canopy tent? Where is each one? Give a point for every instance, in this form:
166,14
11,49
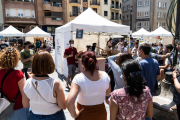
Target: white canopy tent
36,32
118,36
141,33
161,32
11,32
89,21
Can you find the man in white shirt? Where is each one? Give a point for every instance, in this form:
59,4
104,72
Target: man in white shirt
121,48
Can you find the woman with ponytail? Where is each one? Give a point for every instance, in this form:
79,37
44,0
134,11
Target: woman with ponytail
91,86
134,101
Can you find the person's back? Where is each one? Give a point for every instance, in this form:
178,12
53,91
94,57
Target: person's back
37,104
150,69
135,107
91,86
92,92
43,94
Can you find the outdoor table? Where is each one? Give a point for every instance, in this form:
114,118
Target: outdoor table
100,64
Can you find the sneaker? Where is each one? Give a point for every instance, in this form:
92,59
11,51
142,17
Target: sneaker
173,108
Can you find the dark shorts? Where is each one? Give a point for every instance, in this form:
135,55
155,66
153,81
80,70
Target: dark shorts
71,70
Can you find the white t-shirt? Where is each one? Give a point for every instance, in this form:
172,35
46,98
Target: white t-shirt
91,92
168,62
125,50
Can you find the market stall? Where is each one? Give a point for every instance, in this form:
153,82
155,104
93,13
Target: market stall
13,36
39,34
89,21
141,33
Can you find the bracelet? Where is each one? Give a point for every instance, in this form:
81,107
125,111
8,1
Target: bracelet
174,78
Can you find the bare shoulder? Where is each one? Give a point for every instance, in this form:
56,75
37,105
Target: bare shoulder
57,84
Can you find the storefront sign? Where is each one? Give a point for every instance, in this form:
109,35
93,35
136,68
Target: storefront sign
79,33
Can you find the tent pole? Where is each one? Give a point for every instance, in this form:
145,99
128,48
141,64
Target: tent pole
99,42
129,43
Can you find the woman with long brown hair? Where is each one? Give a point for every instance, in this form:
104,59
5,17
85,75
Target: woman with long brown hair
91,86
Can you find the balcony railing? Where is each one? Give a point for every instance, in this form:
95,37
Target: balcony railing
115,18
21,0
73,14
115,6
75,1
95,3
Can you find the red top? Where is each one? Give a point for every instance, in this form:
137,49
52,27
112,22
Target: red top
69,51
10,86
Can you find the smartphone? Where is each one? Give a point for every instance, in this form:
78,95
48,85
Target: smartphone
29,70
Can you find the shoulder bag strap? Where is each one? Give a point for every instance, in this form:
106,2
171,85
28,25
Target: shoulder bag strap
15,98
40,94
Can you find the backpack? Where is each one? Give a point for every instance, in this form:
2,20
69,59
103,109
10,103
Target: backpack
6,107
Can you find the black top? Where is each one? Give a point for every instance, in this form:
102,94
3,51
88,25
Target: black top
93,48
2,46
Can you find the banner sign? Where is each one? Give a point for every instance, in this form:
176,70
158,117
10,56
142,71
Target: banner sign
79,33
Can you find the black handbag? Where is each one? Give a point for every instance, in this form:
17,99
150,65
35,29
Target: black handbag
6,107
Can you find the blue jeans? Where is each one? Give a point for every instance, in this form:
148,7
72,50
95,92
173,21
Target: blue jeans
57,116
146,118
21,114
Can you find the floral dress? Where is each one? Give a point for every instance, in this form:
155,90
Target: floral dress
131,107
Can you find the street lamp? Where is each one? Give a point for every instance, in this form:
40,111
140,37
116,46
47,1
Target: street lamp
131,9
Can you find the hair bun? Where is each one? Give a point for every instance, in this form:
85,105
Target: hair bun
90,61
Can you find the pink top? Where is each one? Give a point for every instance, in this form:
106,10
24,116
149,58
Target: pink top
130,107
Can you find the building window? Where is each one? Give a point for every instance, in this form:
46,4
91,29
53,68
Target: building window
46,1
139,24
146,14
7,12
164,15
33,14
123,17
84,9
56,4
120,16
127,17
140,3
123,8
84,0
159,4
27,14
120,5
13,13
105,2
105,13
159,15
158,24
146,3
164,25
128,7
75,10
146,24
164,5
124,0
20,13
139,14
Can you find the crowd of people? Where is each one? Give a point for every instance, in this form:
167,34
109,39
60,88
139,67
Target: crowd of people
37,96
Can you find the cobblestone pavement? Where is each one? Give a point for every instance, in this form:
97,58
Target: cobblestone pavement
55,75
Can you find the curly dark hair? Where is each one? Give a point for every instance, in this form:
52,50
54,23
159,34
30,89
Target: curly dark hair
9,58
135,81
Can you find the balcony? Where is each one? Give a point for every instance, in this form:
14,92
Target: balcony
74,14
52,21
20,20
75,1
115,7
114,18
31,1
97,3
49,7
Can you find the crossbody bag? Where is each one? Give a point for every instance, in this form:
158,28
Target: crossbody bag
40,94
